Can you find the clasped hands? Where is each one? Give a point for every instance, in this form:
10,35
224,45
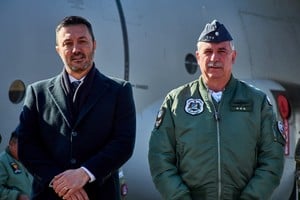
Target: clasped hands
69,184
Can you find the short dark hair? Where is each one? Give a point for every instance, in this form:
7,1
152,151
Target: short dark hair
13,136
75,20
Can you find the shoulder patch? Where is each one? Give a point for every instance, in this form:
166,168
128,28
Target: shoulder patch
280,128
160,117
15,167
281,137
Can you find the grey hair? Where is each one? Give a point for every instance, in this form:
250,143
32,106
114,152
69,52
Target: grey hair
231,45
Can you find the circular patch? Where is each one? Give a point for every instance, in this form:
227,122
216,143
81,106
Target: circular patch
194,106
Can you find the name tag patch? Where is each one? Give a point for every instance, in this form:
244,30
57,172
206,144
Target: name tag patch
241,106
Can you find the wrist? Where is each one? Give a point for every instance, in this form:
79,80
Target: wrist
85,174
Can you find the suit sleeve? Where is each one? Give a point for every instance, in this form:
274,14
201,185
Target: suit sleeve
30,148
162,156
270,158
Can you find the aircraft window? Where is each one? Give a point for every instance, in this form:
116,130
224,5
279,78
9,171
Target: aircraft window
191,64
16,91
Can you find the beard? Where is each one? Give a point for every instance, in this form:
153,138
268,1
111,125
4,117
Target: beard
82,66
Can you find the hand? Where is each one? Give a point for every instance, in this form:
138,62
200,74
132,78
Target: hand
77,195
23,197
69,181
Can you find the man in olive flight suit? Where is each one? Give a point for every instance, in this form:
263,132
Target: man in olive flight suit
216,137
15,180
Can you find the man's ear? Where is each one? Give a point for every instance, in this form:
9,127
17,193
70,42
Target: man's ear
233,56
57,49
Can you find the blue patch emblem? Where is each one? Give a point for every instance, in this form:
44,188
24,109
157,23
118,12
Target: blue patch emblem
160,117
194,106
280,128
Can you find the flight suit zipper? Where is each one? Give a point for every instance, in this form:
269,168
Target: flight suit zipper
217,118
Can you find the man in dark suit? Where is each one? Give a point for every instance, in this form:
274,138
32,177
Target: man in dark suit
74,140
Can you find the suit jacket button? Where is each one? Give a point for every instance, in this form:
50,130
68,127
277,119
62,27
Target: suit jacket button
73,161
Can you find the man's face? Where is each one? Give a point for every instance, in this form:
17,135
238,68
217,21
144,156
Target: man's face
76,48
13,148
215,60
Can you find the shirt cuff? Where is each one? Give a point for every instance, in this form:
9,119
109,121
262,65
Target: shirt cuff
92,177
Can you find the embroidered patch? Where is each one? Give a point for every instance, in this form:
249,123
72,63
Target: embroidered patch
280,128
194,106
282,138
159,117
15,168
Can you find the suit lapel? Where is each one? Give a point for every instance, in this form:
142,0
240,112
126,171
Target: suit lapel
98,89
60,99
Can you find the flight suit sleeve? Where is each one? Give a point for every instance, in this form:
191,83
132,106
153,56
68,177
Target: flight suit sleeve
162,156
5,191
270,158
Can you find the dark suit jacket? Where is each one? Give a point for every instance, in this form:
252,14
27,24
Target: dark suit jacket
101,139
